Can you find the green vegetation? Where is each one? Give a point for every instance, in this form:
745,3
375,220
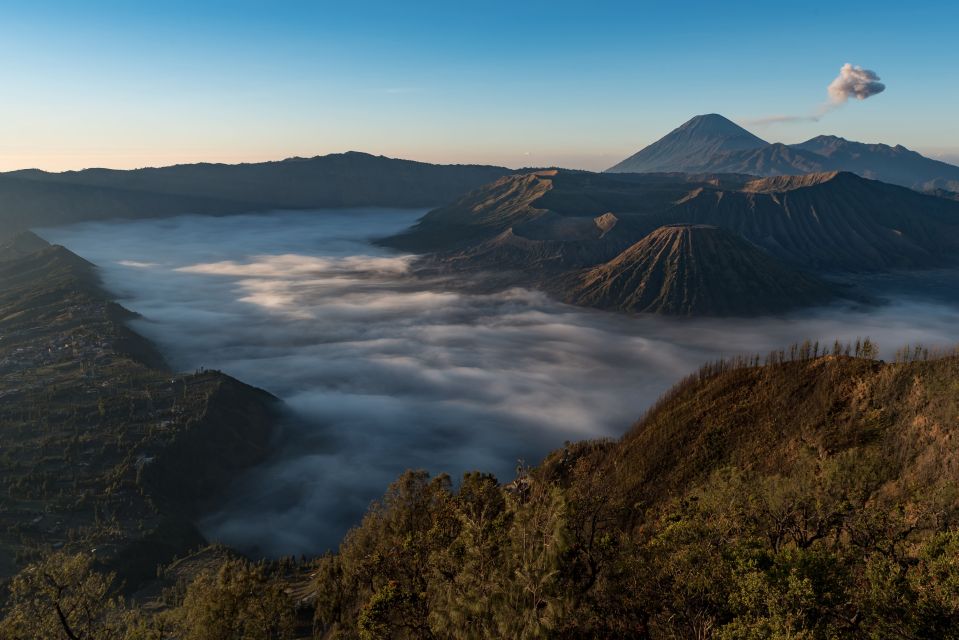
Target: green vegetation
813,496
64,597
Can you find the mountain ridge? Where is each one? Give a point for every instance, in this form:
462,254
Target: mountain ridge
892,164
834,221
540,229
30,198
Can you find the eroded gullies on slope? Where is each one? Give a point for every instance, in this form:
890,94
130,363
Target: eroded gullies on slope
542,229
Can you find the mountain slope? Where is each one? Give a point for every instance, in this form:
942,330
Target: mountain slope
103,447
480,214
689,144
762,418
896,165
831,221
538,229
534,253
695,270
20,244
26,203
772,160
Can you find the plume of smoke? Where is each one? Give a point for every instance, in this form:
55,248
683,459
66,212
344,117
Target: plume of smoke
780,119
854,82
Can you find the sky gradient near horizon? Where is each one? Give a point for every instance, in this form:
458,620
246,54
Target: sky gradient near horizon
123,84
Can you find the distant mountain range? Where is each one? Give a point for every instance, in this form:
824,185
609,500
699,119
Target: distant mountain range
755,245
36,198
818,208
708,220
713,144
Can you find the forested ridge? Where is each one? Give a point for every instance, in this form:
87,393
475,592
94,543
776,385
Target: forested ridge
809,493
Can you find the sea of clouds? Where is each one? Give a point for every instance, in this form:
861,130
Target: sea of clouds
382,372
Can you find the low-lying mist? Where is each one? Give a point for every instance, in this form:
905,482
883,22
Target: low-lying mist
383,373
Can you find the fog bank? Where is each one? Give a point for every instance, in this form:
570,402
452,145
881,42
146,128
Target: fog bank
383,373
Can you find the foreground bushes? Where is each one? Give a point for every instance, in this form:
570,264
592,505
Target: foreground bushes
808,500
64,597
795,556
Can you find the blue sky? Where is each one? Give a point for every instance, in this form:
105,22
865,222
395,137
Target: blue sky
123,84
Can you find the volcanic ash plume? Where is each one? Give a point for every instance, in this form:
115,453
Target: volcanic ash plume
854,82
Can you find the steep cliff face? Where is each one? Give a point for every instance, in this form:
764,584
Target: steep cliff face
526,198
479,215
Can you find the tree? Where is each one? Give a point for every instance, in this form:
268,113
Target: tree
531,604
239,601
63,598
467,572
384,570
